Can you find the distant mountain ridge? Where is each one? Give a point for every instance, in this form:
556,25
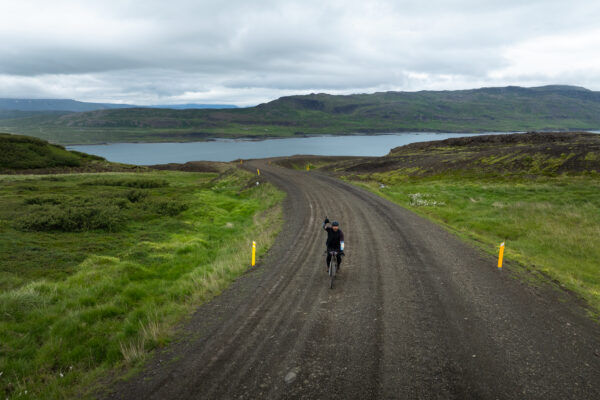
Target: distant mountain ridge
42,105
495,109
54,105
189,106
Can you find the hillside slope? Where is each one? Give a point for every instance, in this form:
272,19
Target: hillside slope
532,154
24,154
481,110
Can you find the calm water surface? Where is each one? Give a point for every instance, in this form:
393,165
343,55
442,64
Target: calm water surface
228,150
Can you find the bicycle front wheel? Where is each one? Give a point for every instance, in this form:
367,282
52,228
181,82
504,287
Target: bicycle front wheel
332,271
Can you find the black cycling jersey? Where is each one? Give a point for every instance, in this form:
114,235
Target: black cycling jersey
333,238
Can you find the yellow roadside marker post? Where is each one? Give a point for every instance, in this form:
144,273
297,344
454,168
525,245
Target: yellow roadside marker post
308,167
253,253
501,255
257,171
241,161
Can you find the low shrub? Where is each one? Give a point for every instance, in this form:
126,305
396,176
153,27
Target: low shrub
133,183
168,207
72,218
135,196
42,200
53,178
28,188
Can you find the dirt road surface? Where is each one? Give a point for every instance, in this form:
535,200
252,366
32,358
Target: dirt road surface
415,314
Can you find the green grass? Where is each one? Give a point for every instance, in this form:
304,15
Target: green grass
23,152
84,292
20,154
549,224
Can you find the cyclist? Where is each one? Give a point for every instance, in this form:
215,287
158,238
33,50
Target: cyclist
335,241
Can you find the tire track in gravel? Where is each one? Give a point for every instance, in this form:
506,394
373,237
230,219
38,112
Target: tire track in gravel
415,314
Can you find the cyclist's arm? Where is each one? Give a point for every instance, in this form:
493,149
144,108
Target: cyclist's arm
325,225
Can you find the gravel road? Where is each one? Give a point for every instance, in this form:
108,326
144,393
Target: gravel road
415,314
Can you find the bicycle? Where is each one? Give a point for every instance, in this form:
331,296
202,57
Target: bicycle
333,267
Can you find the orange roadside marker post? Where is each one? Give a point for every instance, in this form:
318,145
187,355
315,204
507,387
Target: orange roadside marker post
501,255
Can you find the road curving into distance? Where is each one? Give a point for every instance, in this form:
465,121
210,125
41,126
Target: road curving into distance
415,314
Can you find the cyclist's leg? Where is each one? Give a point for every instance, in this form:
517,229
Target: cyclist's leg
339,260
328,260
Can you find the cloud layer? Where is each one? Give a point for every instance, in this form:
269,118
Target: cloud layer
244,52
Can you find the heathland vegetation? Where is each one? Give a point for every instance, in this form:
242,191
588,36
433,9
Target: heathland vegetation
481,110
26,155
98,267
537,192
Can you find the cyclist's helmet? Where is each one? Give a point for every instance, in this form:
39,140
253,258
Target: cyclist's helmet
335,223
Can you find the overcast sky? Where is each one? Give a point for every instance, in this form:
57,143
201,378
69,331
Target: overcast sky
248,52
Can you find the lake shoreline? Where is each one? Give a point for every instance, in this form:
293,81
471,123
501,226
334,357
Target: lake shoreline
227,149
255,138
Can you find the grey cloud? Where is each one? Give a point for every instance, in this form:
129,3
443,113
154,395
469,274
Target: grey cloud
156,51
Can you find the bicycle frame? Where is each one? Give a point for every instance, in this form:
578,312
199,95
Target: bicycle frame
333,267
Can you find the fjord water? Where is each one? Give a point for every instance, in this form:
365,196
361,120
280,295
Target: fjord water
228,149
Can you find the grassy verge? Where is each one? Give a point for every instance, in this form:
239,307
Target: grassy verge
550,224
97,268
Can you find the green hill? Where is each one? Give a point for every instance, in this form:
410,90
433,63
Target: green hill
533,154
22,154
547,108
